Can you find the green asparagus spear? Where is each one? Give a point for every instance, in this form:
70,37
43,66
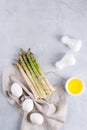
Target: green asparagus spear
27,79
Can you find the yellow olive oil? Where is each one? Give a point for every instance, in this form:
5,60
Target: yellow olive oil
75,86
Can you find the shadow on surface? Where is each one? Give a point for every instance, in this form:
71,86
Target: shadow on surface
19,123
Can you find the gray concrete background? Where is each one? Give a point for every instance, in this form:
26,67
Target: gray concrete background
39,24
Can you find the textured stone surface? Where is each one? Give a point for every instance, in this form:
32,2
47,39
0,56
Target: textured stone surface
39,24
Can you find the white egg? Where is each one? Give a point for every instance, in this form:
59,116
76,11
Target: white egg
28,105
16,90
36,118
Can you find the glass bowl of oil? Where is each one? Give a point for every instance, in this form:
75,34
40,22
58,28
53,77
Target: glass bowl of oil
74,86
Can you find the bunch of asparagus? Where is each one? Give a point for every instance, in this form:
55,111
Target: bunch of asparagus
32,73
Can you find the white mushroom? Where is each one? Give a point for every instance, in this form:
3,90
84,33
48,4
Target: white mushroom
66,61
16,90
74,44
36,118
28,105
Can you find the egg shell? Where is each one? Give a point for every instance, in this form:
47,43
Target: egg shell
36,118
28,105
16,90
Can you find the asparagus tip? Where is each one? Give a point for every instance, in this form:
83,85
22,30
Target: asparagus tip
29,49
15,63
22,51
19,56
